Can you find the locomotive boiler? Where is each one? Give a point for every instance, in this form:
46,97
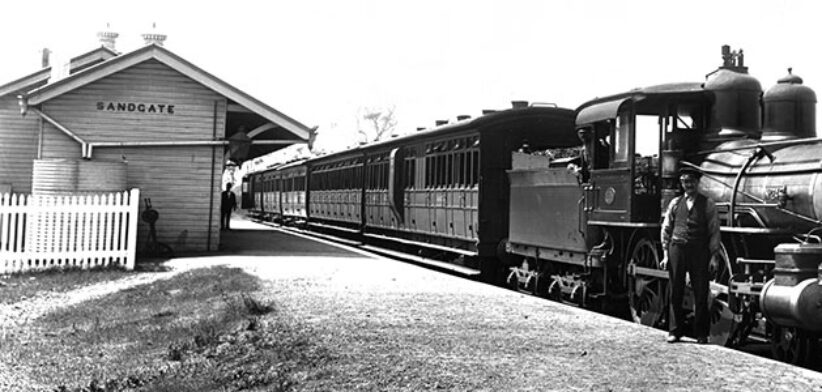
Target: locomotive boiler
596,239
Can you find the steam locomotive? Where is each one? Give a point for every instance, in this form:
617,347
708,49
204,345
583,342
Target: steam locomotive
585,228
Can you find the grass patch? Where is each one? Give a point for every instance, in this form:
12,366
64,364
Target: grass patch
203,330
19,286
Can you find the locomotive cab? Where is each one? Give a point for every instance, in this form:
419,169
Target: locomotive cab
641,131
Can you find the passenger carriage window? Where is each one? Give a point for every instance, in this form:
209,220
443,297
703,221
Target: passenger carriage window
378,176
413,180
439,172
475,168
369,178
384,175
461,169
429,172
449,170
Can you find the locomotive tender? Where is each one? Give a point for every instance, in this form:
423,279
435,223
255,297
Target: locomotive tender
586,230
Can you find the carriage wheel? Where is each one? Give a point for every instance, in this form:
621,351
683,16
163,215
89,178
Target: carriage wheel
646,294
792,345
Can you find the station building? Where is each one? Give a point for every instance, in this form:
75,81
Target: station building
146,119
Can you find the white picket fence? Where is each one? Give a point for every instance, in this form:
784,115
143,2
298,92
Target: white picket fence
80,231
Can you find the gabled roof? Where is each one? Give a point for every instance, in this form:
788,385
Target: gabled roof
40,77
177,63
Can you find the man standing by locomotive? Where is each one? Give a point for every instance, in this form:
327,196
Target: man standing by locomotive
690,242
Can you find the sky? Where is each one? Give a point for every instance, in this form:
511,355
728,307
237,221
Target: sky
321,62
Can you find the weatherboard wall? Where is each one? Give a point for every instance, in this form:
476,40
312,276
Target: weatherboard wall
182,181
18,138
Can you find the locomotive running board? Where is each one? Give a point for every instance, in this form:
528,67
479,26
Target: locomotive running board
422,260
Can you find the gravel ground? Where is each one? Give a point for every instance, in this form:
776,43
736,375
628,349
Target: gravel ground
391,326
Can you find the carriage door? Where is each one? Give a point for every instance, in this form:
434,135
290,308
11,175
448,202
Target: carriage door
612,187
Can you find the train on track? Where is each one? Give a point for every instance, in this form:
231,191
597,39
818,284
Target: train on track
500,196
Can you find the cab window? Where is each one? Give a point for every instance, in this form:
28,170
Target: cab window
622,137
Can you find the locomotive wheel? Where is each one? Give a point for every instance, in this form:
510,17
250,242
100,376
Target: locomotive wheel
512,282
646,294
792,345
725,331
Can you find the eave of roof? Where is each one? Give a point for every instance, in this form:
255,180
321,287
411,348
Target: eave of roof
29,81
177,63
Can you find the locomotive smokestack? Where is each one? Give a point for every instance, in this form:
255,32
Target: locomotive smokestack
727,58
519,104
733,60
463,117
441,122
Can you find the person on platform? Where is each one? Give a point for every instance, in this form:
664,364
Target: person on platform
690,244
228,203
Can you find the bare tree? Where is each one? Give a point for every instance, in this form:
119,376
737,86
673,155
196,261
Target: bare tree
379,123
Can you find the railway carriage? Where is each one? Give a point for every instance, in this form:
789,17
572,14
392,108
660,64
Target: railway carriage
277,193
336,191
443,191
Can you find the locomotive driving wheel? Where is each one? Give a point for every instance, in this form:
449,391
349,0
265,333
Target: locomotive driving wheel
646,293
725,330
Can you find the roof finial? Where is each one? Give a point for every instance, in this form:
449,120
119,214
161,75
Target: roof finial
154,37
107,37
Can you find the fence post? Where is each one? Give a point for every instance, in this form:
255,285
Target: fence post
133,216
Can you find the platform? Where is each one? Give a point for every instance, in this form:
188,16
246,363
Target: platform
409,328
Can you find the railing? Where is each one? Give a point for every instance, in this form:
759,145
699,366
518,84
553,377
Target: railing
40,232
